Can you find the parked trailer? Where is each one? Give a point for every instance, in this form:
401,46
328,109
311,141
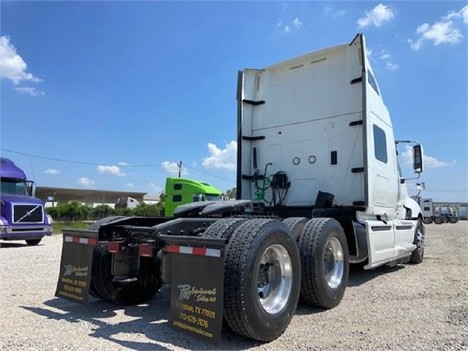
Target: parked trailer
463,212
318,188
431,215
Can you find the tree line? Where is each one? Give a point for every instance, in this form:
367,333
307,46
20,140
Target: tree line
74,211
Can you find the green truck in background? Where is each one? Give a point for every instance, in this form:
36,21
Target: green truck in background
180,191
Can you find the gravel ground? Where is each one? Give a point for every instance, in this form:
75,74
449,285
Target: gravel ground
420,307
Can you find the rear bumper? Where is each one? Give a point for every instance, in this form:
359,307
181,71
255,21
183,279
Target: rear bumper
24,232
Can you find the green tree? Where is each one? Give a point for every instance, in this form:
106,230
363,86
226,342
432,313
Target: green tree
102,211
231,193
70,212
127,212
52,211
145,210
161,204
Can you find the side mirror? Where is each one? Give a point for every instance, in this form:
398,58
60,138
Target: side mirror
418,158
30,187
197,197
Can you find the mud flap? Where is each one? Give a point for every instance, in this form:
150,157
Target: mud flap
197,285
75,266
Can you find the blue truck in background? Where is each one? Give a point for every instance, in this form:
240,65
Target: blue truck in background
22,215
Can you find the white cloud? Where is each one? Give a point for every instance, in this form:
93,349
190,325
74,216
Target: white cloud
173,169
113,170
429,161
296,24
376,17
123,164
463,13
444,31
334,13
432,162
130,185
29,91
221,158
12,65
388,61
52,171
85,182
14,68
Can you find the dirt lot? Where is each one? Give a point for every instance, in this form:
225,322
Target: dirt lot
421,307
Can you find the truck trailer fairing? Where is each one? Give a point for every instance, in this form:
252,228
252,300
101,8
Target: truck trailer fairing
312,117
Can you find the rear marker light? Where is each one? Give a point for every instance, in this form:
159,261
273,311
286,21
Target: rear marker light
146,250
198,251
115,246
78,240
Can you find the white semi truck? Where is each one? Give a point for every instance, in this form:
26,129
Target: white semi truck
438,216
318,188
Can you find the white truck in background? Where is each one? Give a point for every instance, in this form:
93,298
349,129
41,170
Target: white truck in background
318,188
462,212
439,215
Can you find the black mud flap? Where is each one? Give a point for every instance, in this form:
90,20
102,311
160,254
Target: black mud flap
75,266
197,285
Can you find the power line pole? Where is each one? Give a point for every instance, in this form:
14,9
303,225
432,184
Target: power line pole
180,167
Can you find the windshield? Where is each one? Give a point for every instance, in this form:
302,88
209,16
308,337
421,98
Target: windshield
211,197
13,186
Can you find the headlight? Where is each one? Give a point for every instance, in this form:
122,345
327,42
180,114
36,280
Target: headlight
50,219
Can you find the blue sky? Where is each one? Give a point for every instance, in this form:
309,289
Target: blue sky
111,95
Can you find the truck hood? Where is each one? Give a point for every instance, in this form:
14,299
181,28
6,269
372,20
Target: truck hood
25,199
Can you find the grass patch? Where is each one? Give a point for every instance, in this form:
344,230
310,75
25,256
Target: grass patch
59,226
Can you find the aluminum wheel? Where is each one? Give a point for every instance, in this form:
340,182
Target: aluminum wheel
333,262
274,279
420,240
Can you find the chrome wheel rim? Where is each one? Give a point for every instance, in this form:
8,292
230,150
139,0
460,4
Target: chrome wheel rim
420,240
274,279
333,262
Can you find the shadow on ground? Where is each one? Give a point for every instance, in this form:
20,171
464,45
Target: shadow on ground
149,319
359,276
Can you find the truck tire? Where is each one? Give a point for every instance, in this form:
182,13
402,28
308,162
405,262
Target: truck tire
148,283
438,220
223,228
419,238
324,262
33,242
427,220
94,228
262,279
295,225
453,220
93,291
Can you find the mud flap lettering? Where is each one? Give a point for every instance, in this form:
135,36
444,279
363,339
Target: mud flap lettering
197,286
75,266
